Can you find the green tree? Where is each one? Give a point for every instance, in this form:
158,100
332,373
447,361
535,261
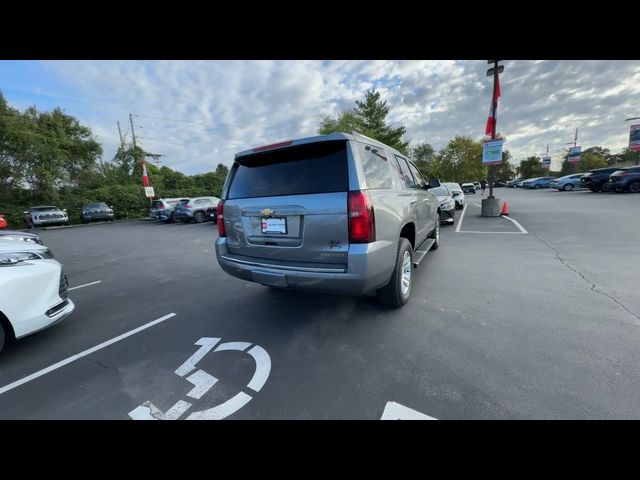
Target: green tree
460,161
531,168
368,117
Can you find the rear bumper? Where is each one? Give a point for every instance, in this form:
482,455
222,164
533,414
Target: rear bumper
369,267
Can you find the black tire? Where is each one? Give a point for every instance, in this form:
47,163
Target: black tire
199,217
634,187
537,187
435,234
391,294
568,187
2,337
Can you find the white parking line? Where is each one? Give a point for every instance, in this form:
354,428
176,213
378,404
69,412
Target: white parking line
461,218
520,227
396,411
91,350
477,205
85,285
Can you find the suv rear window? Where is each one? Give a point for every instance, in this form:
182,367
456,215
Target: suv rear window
312,168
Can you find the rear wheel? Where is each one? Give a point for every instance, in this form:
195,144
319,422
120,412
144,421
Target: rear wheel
397,292
199,217
537,186
634,187
568,187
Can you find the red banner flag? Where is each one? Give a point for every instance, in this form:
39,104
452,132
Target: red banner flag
145,177
493,114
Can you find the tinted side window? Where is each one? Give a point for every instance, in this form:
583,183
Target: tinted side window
376,166
405,172
416,175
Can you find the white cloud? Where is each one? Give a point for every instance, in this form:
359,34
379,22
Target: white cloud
238,104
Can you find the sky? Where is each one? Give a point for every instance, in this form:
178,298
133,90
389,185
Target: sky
199,113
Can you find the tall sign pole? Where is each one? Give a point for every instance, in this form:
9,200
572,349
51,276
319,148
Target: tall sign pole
494,71
492,154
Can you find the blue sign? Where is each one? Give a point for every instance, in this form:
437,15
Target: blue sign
492,152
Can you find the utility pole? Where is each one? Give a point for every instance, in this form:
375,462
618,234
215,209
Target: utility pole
120,133
491,204
133,133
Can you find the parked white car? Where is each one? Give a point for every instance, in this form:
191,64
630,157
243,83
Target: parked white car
33,290
458,194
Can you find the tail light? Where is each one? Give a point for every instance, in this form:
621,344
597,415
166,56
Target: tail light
187,206
219,213
362,226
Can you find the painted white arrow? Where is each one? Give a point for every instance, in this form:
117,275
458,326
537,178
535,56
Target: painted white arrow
395,411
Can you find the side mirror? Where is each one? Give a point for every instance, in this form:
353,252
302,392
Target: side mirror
456,194
434,183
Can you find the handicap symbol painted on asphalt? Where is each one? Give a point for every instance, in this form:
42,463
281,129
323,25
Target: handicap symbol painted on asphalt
202,383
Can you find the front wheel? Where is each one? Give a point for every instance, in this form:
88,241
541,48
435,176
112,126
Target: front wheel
199,217
397,292
568,187
537,187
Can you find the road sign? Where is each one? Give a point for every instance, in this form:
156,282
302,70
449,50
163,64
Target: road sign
546,163
148,192
492,70
492,152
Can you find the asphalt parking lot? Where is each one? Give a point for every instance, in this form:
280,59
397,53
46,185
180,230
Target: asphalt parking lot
533,317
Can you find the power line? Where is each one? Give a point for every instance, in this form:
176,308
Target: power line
176,120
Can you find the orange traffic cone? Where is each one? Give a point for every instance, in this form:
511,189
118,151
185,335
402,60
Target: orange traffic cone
505,209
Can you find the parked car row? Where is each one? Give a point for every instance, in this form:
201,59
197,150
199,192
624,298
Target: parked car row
49,215
613,179
196,209
609,179
33,286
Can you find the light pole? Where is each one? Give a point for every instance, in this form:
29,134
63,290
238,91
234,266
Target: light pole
638,150
495,71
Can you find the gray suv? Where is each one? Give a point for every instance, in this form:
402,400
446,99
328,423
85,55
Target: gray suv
338,213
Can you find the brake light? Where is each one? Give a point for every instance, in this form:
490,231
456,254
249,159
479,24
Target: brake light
187,206
361,218
273,145
219,213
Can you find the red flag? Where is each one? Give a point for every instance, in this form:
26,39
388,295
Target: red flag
493,115
145,177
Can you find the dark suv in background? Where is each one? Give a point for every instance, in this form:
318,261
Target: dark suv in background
595,179
625,180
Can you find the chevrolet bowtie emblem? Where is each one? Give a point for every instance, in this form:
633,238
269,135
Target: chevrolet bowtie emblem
267,212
